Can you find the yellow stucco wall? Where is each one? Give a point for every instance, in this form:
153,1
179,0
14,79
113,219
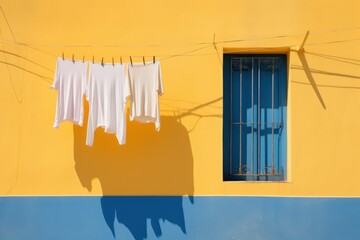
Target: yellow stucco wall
324,95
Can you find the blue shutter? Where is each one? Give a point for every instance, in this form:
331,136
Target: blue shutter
255,98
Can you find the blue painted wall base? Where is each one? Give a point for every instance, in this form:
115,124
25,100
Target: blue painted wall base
178,217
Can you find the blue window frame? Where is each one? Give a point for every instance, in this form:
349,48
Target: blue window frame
255,126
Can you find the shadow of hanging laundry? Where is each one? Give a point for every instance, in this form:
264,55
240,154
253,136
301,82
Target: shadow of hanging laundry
149,164
133,212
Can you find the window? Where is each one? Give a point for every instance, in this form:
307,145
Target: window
255,127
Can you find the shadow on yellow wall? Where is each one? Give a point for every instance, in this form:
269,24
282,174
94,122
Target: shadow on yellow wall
310,71
150,163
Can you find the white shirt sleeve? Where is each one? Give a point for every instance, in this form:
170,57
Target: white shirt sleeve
55,84
160,86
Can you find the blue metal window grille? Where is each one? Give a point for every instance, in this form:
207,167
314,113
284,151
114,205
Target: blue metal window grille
255,127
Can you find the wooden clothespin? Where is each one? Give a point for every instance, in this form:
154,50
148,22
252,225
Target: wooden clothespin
73,58
63,56
121,60
131,61
154,59
113,62
93,60
144,60
83,58
102,61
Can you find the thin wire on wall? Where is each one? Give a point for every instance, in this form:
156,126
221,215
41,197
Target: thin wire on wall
19,100
178,44
35,46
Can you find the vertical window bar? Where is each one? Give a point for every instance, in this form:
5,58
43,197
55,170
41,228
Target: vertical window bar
231,79
253,117
258,119
272,108
241,125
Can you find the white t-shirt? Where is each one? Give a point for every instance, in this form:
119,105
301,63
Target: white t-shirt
70,82
146,86
107,92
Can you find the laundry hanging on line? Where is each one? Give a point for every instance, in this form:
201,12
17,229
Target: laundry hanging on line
70,81
107,87
107,92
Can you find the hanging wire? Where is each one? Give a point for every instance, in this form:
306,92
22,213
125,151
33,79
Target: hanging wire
18,98
203,45
33,45
7,22
189,53
26,59
104,45
176,44
333,42
186,53
14,182
336,30
336,58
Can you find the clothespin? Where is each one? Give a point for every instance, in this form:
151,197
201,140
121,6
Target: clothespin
121,60
83,58
131,61
73,58
102,61
63,56
113,62
144,60
93,60
154,59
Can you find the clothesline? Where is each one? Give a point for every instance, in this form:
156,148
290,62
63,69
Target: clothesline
191,53
143,45
173,44
204,44
166,57
187,53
